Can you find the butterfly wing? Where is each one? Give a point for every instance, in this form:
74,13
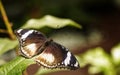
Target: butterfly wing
57,56
48,53
30,41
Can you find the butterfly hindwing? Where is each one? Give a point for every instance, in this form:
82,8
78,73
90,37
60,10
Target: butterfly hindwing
57,56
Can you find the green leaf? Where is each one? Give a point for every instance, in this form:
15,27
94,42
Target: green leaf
2,62
50,21
99,61
116,54
7,44
16,66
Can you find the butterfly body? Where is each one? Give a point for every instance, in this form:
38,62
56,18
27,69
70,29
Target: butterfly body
47,52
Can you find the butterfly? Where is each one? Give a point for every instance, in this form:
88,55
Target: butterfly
46,52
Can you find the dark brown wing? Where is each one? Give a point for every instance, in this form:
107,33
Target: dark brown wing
30,41
57,56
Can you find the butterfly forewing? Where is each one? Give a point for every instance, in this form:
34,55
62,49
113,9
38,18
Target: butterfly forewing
30,41
57,56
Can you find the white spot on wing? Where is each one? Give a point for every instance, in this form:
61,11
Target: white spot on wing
67,59
18,31
49,57
32,47
76,64
25,53
67,49
24,36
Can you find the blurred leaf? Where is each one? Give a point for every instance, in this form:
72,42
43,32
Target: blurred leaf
94,69
16,66
116,54
7,44
99,60
50,21
2,62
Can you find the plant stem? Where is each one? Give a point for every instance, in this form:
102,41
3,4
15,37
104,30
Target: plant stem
6,21
3,31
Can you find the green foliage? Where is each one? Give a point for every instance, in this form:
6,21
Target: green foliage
16,66
99,61
7,44
116,54
50,21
